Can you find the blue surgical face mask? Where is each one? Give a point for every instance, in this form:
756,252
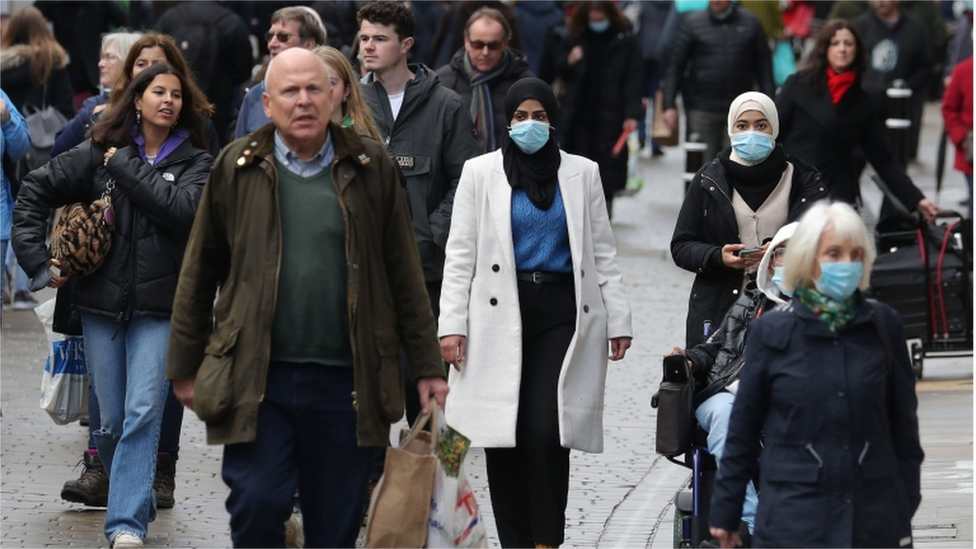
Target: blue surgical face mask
529,135
839,280
778,281
751,146
602,26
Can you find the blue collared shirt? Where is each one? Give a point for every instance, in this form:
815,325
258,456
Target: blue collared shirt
295,165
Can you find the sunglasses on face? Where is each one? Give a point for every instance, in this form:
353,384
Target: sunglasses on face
282,36
493,46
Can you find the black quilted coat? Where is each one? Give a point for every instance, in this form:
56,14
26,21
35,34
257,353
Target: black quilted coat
154,211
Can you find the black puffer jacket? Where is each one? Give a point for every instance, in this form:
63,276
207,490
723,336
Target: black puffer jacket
430,140
453,77
154,211
717,362
713,61
706,223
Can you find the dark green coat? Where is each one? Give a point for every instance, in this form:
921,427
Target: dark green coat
235,247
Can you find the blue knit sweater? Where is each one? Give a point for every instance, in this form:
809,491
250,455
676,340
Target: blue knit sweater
540,237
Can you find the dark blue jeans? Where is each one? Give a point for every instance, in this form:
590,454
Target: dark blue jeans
306,440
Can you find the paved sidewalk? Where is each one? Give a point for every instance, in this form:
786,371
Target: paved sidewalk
621,498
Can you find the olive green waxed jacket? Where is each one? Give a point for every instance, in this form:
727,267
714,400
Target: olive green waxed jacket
235,247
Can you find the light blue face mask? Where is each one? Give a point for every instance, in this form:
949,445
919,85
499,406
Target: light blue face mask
529,135
778,281
839,280
751,146
602,26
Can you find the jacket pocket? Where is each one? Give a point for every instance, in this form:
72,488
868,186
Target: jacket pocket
390,374
885,466
214,388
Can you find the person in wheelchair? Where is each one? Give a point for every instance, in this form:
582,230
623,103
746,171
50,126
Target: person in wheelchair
716,364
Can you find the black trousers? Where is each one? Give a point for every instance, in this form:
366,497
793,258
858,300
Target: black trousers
529,484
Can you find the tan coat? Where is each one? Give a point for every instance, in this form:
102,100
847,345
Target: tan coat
235,246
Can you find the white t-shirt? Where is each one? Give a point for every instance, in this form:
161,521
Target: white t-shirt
396,101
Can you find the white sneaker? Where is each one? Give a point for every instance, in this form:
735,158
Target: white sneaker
126,539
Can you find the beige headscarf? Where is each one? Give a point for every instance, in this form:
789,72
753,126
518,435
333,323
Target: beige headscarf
754,101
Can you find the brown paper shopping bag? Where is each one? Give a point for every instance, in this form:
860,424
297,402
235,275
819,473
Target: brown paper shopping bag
400,507
665,135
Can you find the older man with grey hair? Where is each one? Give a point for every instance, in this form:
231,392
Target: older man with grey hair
305,232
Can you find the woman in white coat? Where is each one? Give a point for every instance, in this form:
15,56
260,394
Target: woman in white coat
532,295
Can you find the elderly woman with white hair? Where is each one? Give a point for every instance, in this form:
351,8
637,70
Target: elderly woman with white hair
830,388
734,206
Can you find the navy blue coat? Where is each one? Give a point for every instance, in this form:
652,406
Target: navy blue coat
842,459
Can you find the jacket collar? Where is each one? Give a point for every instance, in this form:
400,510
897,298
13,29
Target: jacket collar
260,144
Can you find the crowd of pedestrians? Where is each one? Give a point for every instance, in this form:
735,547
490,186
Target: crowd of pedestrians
327,214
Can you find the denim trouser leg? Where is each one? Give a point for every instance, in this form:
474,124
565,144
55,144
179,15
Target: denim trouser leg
3,269
713,415
94,416
306,437
127,362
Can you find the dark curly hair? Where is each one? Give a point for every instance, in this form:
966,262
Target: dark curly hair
815,70
391,14
115,128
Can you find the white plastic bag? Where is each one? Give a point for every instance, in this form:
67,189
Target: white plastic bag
64,385
455,520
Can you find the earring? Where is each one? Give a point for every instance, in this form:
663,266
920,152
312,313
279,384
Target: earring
344,99
138,116
177,121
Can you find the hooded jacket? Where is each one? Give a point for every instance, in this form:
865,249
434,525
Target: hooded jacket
716,364
453,77
235,246
430,140
154,210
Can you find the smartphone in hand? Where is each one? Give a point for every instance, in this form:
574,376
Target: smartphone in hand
747,251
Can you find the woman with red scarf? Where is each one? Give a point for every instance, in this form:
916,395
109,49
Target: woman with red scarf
825,114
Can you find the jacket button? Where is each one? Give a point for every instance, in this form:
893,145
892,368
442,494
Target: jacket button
803,200
582,273
712,188
493,302
586,308
495,267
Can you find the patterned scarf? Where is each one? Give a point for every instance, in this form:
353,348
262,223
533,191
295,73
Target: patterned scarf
835,314
482,113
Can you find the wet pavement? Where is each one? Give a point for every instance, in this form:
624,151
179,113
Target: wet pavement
620,498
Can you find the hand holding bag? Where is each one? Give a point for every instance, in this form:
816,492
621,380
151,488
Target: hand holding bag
400,508
665,135
83,235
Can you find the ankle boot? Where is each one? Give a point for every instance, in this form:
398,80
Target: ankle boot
165,482
91,488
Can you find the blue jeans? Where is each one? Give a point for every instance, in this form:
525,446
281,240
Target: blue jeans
169,432
306,439
3,269
127,364
713,415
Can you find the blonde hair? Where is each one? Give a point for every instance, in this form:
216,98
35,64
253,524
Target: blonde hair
355,106
801,254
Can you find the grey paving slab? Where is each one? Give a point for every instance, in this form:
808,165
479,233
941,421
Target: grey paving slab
620,498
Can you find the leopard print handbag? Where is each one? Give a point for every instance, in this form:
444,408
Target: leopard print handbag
83,235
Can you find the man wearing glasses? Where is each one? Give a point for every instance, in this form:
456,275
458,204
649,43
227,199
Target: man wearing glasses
483,71
291,27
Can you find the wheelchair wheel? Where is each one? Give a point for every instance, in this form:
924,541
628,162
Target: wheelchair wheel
682,528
